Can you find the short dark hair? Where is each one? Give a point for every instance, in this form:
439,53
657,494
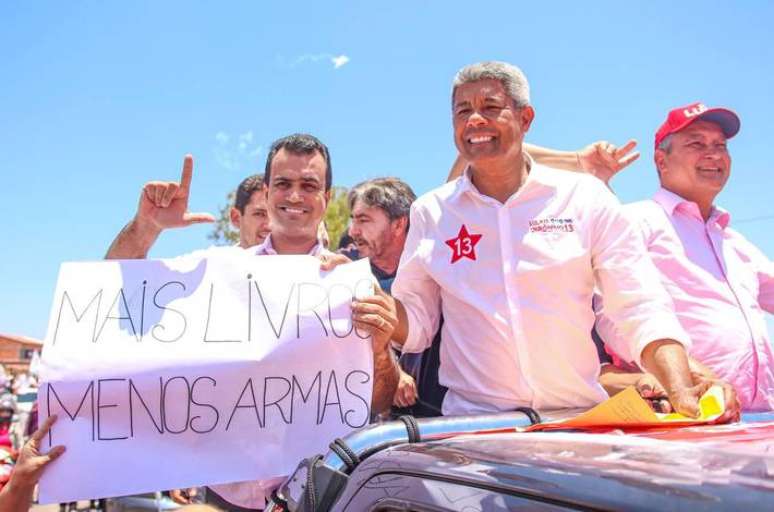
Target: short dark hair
246,189
390,194
300,144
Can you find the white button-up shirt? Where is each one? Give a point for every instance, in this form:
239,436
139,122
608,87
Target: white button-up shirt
515,281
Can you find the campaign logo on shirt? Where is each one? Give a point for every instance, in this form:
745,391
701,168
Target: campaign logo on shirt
464,246
551,225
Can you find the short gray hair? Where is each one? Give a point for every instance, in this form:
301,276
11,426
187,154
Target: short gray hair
666,143
513,79
390,194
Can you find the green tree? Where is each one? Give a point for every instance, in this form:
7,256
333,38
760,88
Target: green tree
336,220
337,215
223,233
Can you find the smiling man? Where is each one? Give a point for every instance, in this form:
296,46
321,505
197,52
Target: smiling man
298,180
720,283
510,254
296,192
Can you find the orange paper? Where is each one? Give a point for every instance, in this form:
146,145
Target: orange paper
629,409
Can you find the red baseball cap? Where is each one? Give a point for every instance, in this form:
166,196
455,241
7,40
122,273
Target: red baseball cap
681,117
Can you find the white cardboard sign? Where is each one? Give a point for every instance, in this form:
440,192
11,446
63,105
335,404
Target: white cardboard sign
210,368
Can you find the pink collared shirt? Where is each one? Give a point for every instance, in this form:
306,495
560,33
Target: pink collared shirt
253,494
267,249
721,285
515,287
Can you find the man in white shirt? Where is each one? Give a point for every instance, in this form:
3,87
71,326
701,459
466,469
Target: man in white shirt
510,254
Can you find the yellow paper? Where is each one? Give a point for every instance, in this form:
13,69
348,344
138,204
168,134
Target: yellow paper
711,405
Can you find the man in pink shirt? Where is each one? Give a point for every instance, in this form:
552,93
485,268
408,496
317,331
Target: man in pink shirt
510,253
720,283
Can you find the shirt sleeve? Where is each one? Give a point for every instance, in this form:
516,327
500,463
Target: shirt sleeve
765,271
760,265
766,292
415,288
635,309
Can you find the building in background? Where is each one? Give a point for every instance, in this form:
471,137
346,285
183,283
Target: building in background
17,352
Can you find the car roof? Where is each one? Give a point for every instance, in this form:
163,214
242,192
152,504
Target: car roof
718,467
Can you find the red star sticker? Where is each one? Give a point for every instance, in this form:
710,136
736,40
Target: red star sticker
464,246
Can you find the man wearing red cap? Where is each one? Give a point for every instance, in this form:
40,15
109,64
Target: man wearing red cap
720,283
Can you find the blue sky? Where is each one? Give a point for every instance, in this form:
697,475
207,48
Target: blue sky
97,98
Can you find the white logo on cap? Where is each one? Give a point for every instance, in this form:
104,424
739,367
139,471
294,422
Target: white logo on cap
695,111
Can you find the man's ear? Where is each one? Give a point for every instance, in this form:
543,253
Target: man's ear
236,217
527,116
659,158
400,225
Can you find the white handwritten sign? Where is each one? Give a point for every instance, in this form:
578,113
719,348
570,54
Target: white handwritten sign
210,368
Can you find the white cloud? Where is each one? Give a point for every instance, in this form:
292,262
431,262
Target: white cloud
301,59
339,61
239,155
245,140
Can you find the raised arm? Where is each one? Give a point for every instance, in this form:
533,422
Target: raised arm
163,205
601,159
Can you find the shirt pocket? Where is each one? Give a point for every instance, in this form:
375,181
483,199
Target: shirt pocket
539,251
555,266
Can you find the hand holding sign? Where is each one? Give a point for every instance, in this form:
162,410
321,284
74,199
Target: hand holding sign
17,494
222,365
164,204
377,315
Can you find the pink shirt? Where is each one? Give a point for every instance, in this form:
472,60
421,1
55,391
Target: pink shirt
721,285
515,284
254,493
267,249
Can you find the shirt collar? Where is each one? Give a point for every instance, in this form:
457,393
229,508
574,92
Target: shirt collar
266,248
465,181
670,202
